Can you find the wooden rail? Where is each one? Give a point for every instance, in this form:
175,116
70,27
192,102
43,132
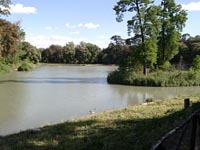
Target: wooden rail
192,124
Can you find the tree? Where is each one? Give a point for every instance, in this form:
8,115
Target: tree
143,25
4,7
115,52
189,48
173,20
9,39
29,52
69,53
196,63
117,40
185,37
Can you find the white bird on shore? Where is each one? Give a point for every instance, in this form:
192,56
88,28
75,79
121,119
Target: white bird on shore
92,111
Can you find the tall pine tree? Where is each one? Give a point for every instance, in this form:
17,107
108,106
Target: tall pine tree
173,19
144,26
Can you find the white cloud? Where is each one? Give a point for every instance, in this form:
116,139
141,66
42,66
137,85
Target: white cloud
42,41
89,25
192,6
21,9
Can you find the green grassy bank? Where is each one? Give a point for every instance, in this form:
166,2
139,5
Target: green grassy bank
20,66
156,79
132,128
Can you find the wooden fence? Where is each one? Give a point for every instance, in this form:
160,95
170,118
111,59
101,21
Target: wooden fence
184,137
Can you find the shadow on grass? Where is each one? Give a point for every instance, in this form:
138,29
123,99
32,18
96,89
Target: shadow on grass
98,134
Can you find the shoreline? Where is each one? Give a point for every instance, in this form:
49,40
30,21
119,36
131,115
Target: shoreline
133,123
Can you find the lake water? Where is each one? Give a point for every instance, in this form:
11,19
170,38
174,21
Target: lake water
54,93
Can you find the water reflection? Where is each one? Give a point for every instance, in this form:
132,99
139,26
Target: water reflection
58,80
136,95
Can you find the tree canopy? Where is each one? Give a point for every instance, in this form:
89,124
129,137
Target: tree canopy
82,53
151,27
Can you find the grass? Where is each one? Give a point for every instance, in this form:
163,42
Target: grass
131,128
156,79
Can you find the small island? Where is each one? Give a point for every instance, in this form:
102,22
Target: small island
160,55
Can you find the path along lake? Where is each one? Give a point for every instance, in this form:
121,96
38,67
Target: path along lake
53,93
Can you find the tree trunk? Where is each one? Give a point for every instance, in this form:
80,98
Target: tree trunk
145,69
142,36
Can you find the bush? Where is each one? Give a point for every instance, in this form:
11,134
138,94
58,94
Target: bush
4,67
196,63
25,66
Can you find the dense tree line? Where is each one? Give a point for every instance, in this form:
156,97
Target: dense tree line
116,52
30,52
82,53
189,48
87,53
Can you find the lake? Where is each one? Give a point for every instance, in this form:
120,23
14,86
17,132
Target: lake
53,93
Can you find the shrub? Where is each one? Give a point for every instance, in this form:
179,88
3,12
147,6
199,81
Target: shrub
196,63
25,66
4,67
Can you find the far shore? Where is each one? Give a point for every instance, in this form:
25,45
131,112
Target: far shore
55,64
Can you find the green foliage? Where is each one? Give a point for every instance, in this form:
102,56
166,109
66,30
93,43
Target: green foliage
116,53
12,50
188,49
26,65
4,7
143,25
151,51
156,30
196,63
4,67
69,53
173,20
165,66
27,51
9,39
80,54
156,79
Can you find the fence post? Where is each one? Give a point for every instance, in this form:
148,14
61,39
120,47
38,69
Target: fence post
186,103
193,134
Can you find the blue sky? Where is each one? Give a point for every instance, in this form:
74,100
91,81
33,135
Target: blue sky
58,22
